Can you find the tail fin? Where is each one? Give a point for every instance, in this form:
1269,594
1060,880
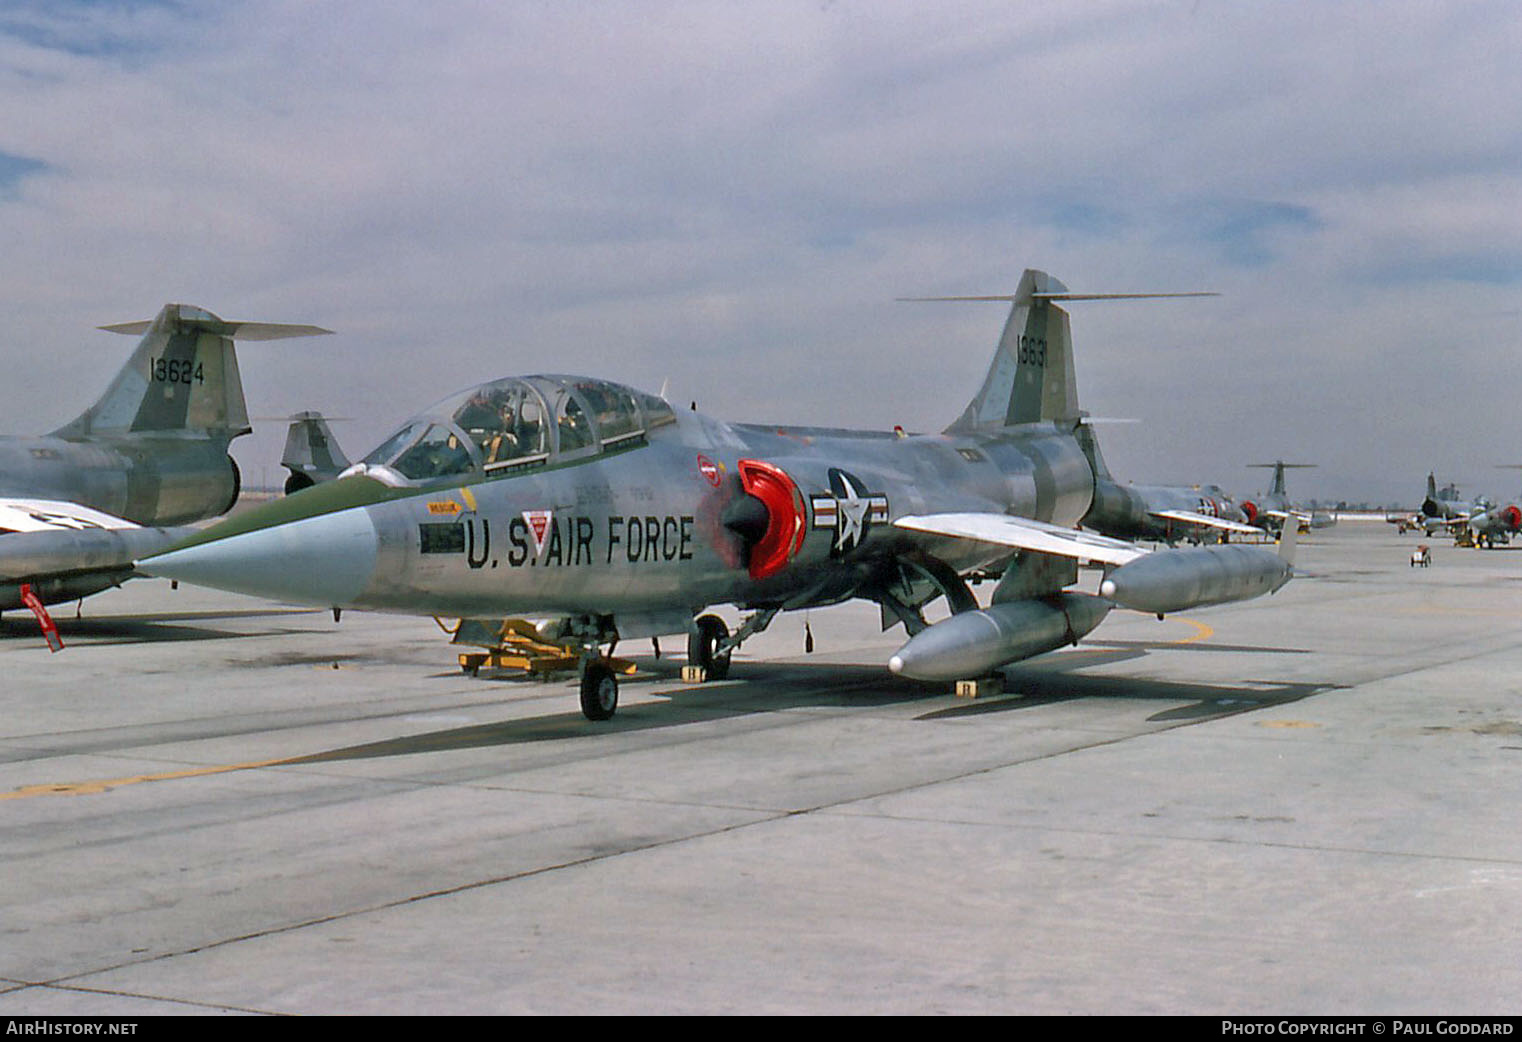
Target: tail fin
1088,440
1288,535
1279,467
1031,378
182,377
311,452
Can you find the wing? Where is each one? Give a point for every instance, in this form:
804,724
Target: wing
1025,534
42,538
1205,520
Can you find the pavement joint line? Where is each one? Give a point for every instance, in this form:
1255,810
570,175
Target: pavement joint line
591,859
1221,840
97,786
77,989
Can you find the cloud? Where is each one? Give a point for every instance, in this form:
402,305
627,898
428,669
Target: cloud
731,197
13,169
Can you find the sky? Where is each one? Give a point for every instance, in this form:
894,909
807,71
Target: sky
726,199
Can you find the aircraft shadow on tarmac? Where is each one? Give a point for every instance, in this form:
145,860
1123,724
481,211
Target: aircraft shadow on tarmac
146,629
1152,645
1206,701
755,688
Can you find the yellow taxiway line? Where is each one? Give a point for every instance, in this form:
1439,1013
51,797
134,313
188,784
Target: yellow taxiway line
89,788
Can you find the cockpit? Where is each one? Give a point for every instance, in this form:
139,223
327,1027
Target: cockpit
519,423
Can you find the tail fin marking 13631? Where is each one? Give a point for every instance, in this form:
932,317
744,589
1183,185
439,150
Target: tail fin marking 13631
1031,378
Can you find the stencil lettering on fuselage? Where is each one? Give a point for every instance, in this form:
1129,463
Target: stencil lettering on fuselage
543,539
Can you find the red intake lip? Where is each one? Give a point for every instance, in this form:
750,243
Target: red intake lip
785,526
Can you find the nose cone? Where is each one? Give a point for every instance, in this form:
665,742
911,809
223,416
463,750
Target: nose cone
323,560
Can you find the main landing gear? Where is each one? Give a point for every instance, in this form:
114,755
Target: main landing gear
709,647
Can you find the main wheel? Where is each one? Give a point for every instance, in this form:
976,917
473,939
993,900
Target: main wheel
599,691
702,647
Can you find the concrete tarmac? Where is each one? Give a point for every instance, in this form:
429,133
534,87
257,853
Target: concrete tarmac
1305,804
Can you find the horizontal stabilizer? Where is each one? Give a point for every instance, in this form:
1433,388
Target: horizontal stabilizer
231,330
1009,298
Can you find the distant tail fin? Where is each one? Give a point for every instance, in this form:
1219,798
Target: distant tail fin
1279,467
311,452
1031,377
183,376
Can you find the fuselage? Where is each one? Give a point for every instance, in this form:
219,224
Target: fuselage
1451,509
1132,511
658,523
1268,511
163,479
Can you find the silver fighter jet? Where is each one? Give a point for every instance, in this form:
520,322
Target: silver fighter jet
1479,523
604,514
311,454
77,506
1270,510
1167,513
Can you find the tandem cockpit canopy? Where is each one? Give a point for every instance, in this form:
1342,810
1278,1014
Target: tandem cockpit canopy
518,422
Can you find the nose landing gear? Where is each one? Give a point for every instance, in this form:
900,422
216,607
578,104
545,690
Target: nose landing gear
599,689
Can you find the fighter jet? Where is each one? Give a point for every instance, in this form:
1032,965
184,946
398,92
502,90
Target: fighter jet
1444,511
77,506
1273,508
1166,513
1495,526
606,515
311,452
1442,507
1478,523
1498,524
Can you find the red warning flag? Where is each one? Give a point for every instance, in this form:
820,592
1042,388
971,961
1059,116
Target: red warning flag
49,628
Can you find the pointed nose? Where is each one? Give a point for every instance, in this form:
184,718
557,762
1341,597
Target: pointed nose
324,560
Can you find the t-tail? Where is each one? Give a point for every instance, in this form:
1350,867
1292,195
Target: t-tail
182,377
311,452
1031,377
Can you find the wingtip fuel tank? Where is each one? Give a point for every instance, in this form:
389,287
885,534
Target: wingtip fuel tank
1175,580
973,643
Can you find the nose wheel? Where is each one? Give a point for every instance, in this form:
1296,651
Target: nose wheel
703,646
599,690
